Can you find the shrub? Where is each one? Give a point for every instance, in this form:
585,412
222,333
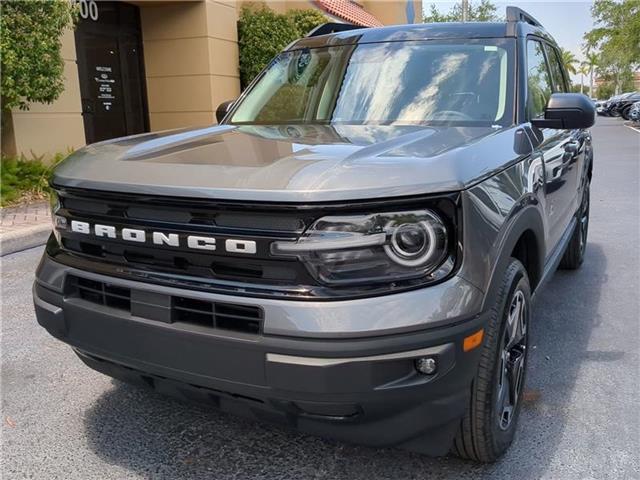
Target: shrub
24,180
32,64
31,61
263,33
605,90
306,20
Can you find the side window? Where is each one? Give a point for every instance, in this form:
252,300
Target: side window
556,69
538,82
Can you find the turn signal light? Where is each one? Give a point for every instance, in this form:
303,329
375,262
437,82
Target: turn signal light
473,341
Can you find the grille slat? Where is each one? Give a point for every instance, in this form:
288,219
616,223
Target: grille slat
226,316
194,310
207,214
196,317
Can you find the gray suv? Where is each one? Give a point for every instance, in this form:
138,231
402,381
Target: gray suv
352,252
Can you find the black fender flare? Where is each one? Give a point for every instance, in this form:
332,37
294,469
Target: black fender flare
527,219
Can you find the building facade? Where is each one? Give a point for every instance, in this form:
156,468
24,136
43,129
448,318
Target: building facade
140,66
599,81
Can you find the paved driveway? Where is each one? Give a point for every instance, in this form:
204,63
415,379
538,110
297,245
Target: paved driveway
61,420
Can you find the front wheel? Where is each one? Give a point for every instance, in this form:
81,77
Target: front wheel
489,424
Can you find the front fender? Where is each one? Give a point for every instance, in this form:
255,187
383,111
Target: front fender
497,213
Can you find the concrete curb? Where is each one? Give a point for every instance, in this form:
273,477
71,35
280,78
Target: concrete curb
28,237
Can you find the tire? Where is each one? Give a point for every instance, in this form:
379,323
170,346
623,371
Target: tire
485,432
574,254
625,113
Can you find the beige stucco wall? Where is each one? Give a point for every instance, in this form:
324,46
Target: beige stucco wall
46,129
392,12
191,60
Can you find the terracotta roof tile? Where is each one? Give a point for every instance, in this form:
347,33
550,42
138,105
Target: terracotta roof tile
350,12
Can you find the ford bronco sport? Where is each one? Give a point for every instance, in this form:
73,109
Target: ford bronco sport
353,251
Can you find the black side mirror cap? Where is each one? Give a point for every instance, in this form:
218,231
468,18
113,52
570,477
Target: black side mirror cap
567,111
223,109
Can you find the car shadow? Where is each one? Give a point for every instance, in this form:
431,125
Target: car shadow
154,436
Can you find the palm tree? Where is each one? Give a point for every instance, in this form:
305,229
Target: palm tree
570,61
583,70
591,60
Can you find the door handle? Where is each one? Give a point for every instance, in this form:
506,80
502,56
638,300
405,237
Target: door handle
87,106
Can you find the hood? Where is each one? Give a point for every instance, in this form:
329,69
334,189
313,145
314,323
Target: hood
291,163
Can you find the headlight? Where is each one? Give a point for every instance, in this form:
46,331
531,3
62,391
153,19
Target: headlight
386,247
414,244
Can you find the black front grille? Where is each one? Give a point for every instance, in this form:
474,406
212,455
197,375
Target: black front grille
104,294
168,308
219,315
171,216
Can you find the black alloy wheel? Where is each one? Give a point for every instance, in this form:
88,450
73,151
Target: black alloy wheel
512,361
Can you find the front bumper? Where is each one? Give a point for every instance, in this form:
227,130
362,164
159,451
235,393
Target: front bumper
363,389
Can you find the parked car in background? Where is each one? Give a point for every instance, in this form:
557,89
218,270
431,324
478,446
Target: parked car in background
604,107
634,112
624,104
607,106
618,105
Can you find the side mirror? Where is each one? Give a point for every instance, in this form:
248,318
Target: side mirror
567,111
223,109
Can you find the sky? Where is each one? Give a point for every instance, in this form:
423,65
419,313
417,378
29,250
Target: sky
566,20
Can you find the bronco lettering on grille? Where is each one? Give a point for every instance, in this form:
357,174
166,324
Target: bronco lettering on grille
196,242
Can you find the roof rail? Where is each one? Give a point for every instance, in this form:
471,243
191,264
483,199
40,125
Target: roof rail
326,28
515,14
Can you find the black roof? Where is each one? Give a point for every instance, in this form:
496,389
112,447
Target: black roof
424,31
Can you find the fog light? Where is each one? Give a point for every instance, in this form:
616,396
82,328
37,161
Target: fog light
426,365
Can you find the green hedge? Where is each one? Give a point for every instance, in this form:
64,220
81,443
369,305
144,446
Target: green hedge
306,20
24,180
263,33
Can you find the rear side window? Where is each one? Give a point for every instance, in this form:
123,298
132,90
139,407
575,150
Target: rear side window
538,80
556,70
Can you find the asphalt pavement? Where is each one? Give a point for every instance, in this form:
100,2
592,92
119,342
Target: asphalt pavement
581,419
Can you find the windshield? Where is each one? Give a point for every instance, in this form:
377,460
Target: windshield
393,83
